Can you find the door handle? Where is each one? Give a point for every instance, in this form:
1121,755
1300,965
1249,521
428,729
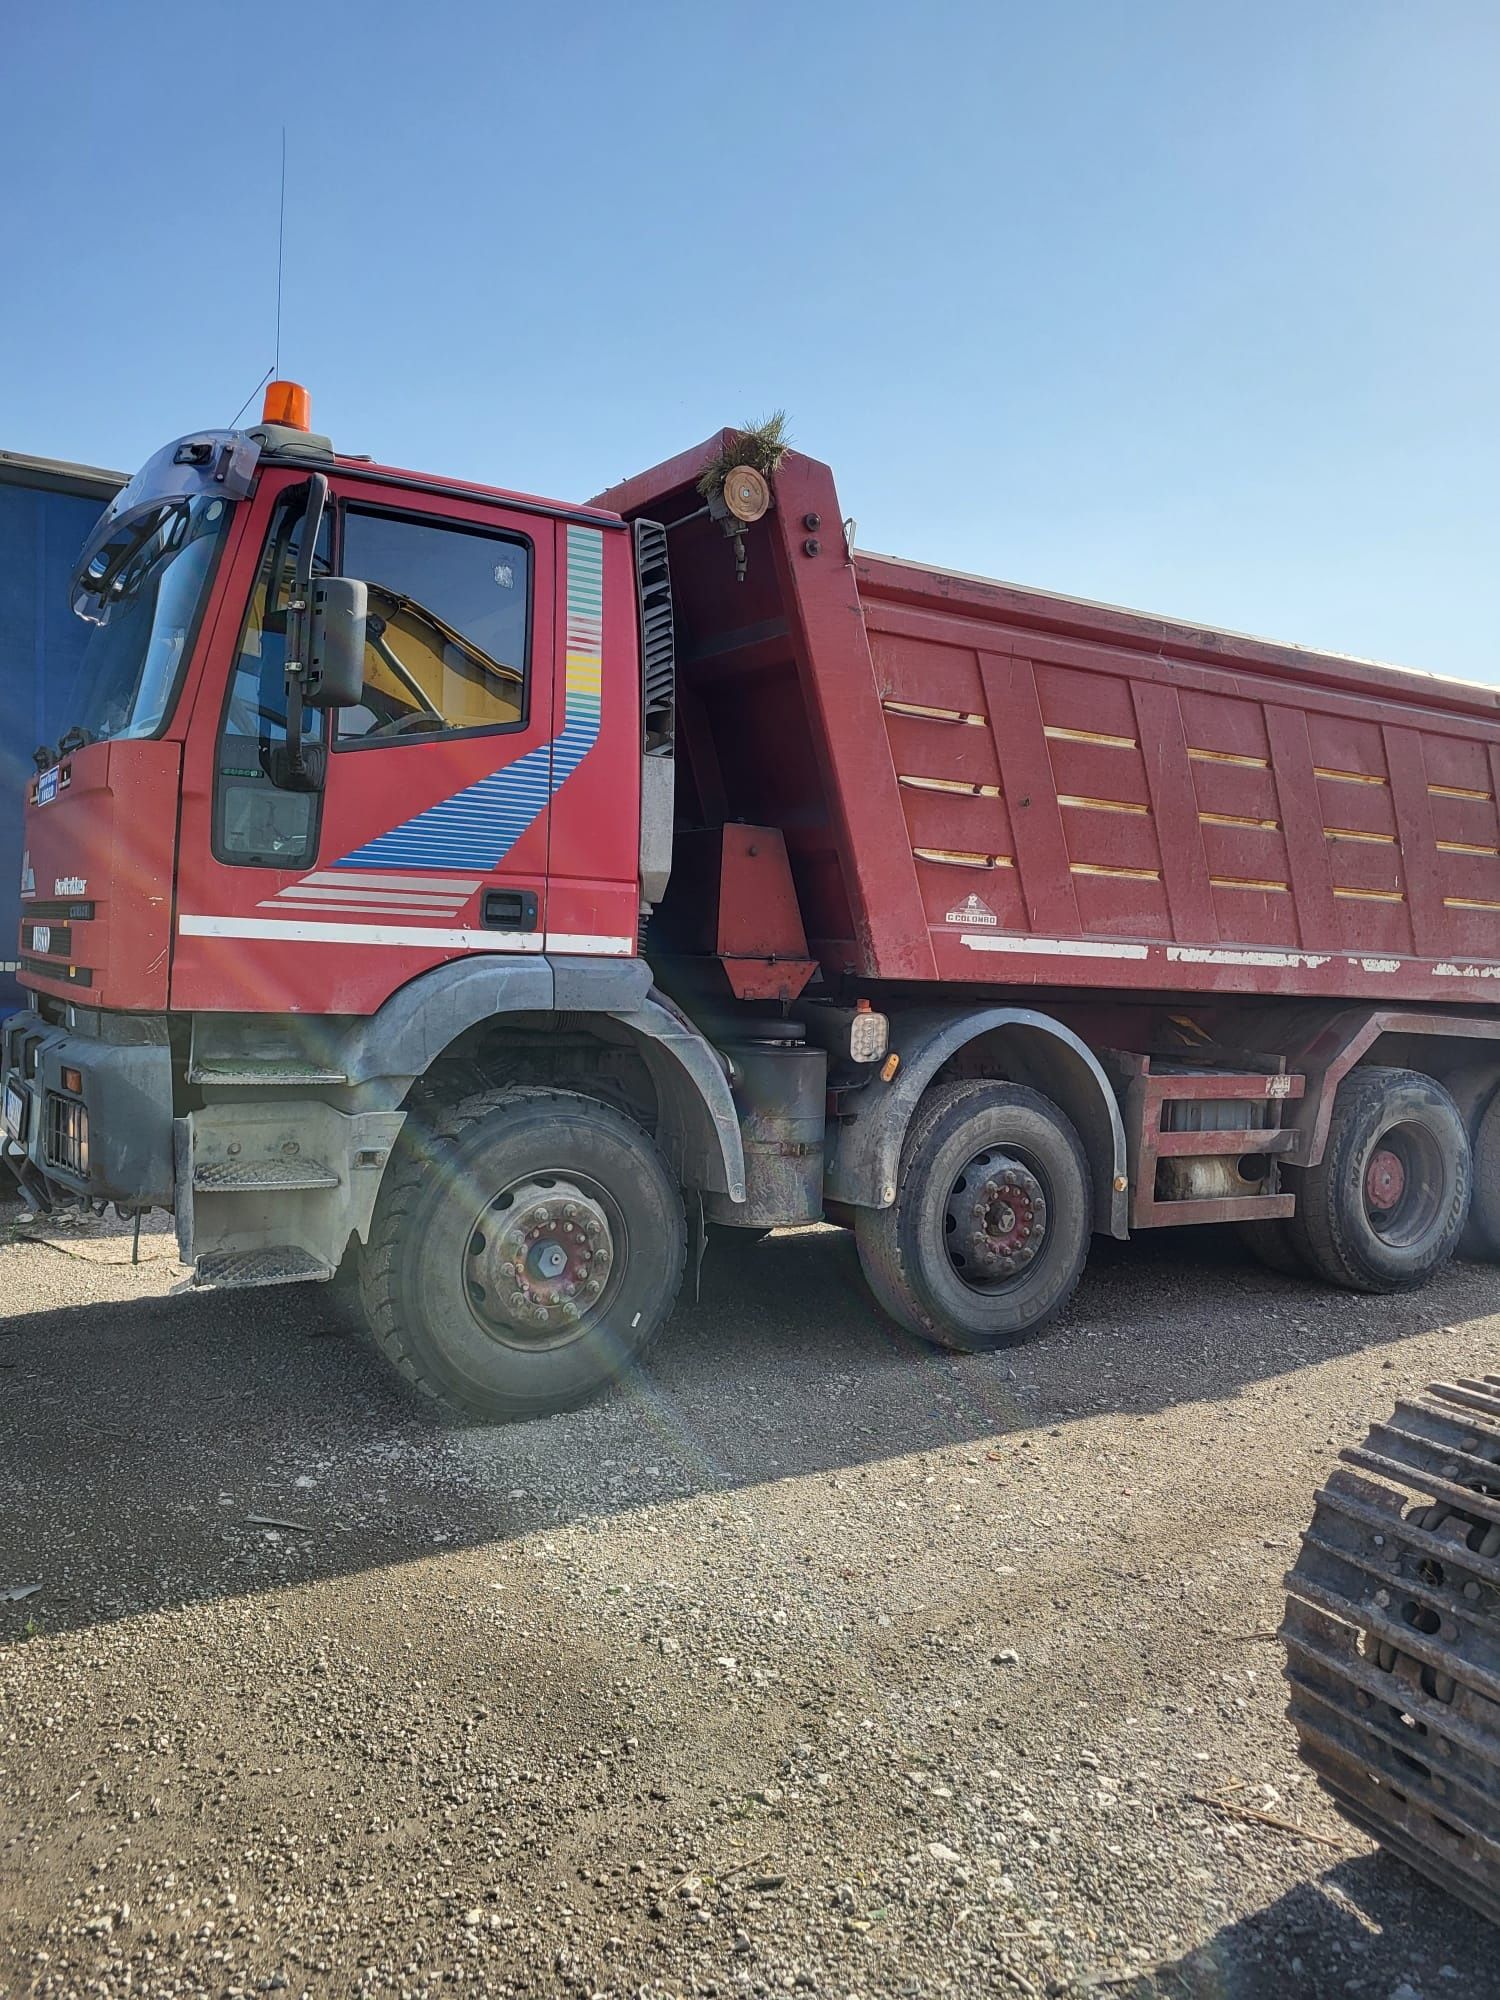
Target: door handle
509,910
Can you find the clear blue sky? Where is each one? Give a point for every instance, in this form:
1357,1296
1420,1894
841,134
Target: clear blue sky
1179,305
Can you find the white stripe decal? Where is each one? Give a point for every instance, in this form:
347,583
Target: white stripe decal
377,899
586,943
1281,961
1182,954
363,909
595,947
291,932
1056,947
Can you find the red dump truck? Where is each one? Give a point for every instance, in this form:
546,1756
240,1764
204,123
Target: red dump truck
482,898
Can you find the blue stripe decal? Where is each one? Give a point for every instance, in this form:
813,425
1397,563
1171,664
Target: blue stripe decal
477,827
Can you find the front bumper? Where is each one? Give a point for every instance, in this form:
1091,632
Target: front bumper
103,1131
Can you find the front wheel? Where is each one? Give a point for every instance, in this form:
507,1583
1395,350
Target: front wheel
986,1239
524,1251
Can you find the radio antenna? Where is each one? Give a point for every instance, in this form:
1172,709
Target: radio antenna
280,250
251,397
275,367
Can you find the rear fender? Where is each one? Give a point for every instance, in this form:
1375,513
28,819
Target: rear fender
1016,1043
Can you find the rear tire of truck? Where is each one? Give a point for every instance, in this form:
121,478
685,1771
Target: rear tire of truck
1385,1207
986,1239
1482,1237
1272,1244
525,1250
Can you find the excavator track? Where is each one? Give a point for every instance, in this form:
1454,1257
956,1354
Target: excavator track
1392,1636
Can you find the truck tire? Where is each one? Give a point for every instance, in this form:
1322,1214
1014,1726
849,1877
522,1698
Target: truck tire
986,1238
523,1253
1273,1245
1384,1208
1482,1237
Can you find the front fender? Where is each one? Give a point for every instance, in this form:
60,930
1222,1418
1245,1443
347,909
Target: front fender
383,1055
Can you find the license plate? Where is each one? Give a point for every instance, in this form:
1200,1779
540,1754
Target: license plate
46,787
15,1111
41,937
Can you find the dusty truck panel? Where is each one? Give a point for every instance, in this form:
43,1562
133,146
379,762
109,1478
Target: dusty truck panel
984,784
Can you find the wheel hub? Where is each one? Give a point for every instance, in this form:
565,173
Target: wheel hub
1385,1180
539,1258
996,1217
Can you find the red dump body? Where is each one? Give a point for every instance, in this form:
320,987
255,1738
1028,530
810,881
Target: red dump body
988,785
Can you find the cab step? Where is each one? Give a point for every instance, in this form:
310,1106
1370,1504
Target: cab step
277,1070
221,1270
261,1176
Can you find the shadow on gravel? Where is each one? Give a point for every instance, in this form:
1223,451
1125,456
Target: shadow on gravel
136,1438
1368,1927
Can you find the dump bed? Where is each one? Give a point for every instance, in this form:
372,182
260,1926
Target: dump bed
996,786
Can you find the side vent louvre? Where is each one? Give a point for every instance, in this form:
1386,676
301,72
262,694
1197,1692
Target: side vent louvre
658,644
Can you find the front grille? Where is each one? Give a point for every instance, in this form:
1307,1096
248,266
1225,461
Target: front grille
54,938
66,1135
67,975
66,909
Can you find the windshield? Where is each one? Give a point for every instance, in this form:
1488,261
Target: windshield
142,593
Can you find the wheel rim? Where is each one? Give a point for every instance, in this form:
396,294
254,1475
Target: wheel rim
543,1260
996,1220
1405,1188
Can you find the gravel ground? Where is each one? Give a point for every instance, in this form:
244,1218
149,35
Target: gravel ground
815,1662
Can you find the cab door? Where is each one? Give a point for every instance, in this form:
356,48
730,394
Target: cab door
428,838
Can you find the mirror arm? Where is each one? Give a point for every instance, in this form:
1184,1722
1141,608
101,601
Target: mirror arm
299,622
296,760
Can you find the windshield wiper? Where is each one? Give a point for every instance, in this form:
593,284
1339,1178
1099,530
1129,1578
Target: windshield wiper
75,738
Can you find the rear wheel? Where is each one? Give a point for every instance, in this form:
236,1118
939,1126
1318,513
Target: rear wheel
1384,1208
1273,1245
1483,1234
987,1236
524,1251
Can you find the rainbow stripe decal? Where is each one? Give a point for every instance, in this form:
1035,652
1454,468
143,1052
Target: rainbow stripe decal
478,826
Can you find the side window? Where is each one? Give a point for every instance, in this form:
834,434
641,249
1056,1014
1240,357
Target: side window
255,822
447,635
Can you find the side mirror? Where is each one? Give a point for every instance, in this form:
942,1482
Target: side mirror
334,676
303,769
